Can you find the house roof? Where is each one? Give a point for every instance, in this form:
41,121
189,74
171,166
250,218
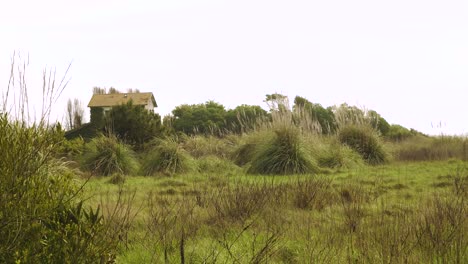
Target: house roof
102,100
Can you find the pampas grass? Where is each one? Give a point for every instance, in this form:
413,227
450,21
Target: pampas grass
105,155
283,153
364,140
166,156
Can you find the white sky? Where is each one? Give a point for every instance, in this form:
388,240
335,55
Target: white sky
406,59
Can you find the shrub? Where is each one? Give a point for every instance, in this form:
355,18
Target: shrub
106,156
166,156
283,153
71,148
365,141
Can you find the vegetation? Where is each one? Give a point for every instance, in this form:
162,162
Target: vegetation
133,124
365,141
325,189
42,216
282,153
106,155
166,156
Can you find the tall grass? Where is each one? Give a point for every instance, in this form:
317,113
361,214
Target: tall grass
365,141
283,153
166,156
106,155
423,148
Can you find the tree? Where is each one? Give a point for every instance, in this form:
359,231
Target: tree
199,118
98,90
245,117
75,114
277,102
112,90
324,116
133,124
378,122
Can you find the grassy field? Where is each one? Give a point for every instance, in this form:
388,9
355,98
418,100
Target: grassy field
399,213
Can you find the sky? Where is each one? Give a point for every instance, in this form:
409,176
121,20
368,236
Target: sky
405,59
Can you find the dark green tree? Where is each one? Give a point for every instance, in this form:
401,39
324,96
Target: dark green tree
324,116
378,122
133,124
245,117
207,118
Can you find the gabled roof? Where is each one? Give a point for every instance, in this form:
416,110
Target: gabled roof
103,100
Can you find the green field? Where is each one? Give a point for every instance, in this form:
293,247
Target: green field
399,213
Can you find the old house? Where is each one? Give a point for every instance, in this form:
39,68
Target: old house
107,101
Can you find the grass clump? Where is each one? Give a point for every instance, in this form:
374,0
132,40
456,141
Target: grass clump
283,153
245,152
215,165
166,156
336,155
106,156
364,140
117,178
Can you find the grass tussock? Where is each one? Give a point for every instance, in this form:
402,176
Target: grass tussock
364,140
334,155
283,153
216,165
200,146
106,155
166,156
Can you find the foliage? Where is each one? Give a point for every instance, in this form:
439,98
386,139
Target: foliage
166,156
283,153
97,117
200,145
207,118
71,148
41,221
105,155
245,151
378,122
245,118
324,116
336,155
216,165
398,133
75,114
365,141
134,124
421,148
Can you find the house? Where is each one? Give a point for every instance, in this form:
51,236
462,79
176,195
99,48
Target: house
107,101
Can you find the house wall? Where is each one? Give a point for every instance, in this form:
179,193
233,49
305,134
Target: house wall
149,105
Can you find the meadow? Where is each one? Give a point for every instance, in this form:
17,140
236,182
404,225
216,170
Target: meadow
279,188
399,212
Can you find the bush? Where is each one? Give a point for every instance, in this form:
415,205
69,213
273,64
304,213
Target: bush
283,153
166,156
40,217
71,148
365,141
106,156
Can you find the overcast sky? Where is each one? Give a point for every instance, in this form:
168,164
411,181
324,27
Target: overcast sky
406,59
